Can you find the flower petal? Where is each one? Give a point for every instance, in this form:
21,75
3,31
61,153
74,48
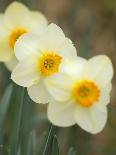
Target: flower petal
61,113
26,73
5,52
38,22
39,93
1,17
74,67
54,32
100,69
51,38
59,86
27,45
11,64
91,119
66,49
16,15
1,23
105,94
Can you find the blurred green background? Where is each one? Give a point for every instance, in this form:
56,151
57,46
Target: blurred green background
91,24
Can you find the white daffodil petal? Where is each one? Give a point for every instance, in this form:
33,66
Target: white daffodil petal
41,18
16,15
38,22
5,52
51,39
1,23
11,64
26,73
59,86
105,94
91,119
39,93
55,32
4,32
100,69
61,113
27,45
66,49
73,67
1,17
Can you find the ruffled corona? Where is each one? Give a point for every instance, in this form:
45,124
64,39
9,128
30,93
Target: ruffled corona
49,63
85,93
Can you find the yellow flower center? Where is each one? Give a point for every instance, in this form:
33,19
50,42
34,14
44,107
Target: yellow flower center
85,93
49,63
15,34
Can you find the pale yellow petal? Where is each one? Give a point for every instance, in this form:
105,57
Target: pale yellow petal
26,73
27,45
100,69
66,49
51,39
74,67
1,19
6,52
105,94
4,31
16,15
38,22
11,64
59,86
38,93
91,119
61,113
55,31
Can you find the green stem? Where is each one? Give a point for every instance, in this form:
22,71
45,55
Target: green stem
49,140
15,136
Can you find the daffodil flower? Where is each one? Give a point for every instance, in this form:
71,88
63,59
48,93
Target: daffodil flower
16,21
81,92
39,58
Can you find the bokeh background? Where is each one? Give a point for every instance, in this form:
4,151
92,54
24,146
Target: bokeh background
91,24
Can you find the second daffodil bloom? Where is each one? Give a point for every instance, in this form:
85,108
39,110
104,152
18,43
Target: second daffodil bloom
39,58
16,21
81,93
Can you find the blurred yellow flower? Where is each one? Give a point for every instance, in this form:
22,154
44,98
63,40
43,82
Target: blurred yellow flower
39,58
16,21
81,92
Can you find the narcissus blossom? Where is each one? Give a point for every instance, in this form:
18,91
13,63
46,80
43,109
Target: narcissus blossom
16,21
81,92
39,58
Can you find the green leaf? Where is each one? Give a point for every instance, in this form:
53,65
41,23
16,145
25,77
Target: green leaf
40,143
55,146
5,104
31,144
49,139
27,133
17,115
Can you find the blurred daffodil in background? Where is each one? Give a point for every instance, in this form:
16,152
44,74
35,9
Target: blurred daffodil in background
16,21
